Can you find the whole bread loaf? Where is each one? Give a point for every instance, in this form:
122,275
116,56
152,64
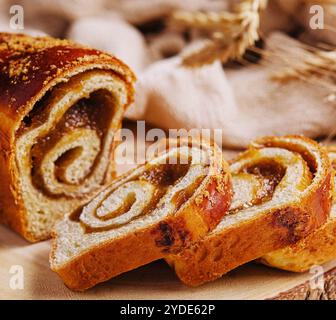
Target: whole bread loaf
60,107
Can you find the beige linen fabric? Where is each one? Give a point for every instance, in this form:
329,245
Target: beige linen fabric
243,102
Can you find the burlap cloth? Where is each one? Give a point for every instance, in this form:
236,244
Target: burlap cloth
244,102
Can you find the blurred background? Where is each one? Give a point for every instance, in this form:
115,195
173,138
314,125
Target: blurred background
249,68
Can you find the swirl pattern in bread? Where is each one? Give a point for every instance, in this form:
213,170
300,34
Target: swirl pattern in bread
152,211
315,249
282,192
60,107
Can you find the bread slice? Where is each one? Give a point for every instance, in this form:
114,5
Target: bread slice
61,106
152,211
315,249
282,192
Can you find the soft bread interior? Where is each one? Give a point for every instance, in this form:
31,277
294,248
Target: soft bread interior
137,200
289,181
63,149
317,248
284,179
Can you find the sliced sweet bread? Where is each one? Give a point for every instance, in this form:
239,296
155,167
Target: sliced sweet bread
154,210
61,106
315,249
282,192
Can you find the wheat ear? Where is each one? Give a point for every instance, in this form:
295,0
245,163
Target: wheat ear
313,64
231,32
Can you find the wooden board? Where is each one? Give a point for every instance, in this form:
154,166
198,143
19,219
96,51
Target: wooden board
155,281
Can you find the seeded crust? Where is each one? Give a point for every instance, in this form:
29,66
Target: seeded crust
83,258
237,240
30,69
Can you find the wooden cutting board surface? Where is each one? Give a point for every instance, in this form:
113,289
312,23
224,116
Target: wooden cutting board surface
155,281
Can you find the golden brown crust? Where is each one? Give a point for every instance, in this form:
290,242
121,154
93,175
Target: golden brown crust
199,213
31,67
240,242
315,249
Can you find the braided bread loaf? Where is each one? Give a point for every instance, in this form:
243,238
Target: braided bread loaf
60,107
154,210
282,192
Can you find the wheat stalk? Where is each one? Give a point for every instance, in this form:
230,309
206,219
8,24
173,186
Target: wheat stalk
317,64
312,64
320,1
308,64
231,33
